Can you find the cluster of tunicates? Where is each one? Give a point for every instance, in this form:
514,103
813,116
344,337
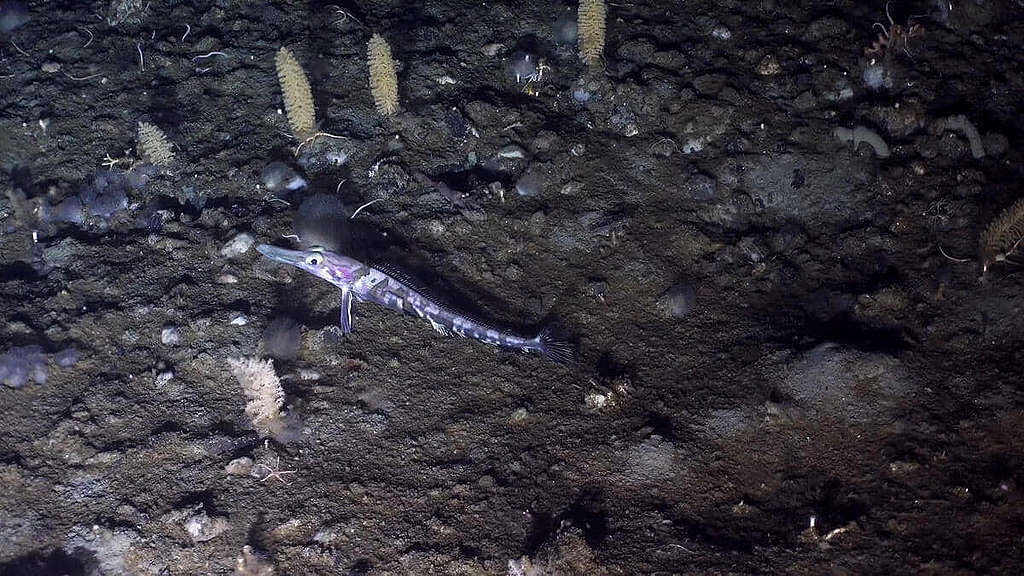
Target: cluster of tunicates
21,364
99,202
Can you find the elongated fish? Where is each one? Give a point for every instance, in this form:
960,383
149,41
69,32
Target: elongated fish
391,290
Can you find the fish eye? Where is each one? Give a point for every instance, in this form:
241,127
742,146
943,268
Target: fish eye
314,259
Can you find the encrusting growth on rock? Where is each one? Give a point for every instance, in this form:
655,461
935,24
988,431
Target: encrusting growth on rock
1003,236
262,389
383,78
153,145
590,21
298,97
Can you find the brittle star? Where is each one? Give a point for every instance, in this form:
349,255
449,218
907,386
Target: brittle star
894,33
276,473
535,77
111,162
344,15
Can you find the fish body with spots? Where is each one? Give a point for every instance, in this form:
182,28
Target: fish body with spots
358,281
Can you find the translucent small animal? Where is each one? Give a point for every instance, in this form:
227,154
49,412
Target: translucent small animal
278,176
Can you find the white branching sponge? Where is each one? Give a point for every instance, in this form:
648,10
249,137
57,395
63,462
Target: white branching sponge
298,98
383,78
153,145
1003,237
263,390
590,22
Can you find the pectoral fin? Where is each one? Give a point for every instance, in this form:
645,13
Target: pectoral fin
346,310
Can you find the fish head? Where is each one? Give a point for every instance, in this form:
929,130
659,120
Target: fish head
324,264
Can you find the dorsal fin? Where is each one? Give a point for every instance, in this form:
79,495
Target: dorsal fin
400,275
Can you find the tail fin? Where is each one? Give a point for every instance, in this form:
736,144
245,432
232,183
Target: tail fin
554,348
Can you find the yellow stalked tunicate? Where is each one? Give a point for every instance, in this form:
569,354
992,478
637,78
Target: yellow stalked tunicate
298,98
383,78
590,22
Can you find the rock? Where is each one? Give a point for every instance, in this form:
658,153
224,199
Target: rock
201,527
571,188
529,184
170,335
164,377
278,176
491,49
678,301
721,33
251,563
519,416
239,466
237,246
769,66
108,550
597,400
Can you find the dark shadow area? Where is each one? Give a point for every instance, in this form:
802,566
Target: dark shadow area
57,562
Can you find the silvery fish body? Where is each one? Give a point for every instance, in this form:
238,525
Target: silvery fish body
390,289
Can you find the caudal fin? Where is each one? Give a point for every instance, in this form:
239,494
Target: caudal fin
554,348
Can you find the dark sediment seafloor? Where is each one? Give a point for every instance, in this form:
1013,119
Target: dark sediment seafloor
782,367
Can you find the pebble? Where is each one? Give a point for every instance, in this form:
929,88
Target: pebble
769,66
202,527
572,188
170,335
239,466
518,416
529,184
491,49
237,246
511,151
597,400
278,176
306,374
238,319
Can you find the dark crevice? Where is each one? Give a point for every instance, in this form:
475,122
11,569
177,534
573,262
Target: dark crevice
54,562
